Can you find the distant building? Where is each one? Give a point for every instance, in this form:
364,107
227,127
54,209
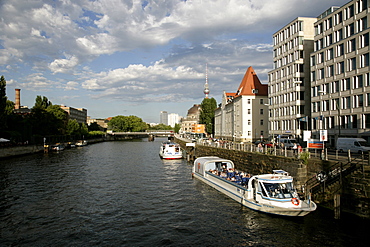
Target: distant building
191,119
163,118
243,116
173,119
79,114
103,123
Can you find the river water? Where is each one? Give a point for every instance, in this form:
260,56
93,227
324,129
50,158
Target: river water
123,194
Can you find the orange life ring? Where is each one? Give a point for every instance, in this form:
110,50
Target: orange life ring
295,201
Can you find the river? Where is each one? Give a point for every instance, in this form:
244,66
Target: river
123,194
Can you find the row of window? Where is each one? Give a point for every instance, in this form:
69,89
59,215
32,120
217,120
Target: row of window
337,18
341,67
341,34
361,121
287,32
342,85
348,102
289,45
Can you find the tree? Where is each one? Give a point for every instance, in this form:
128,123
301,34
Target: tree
207,114
3,103
161,127
127,124
177,128
58,118
42,102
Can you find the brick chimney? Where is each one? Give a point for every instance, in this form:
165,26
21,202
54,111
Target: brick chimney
17,99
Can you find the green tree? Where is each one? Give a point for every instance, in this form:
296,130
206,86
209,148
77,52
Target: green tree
161,127
58,118
207,114
127,124
42,102
3,103
73,128
177,128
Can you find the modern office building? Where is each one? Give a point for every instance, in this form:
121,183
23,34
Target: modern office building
289,83
340,84
163,118
173,118
242,116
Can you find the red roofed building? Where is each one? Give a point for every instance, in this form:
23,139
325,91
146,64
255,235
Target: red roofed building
243,116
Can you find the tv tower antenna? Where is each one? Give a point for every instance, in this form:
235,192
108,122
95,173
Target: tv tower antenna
206,88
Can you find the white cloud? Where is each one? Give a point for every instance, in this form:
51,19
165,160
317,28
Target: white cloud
63,65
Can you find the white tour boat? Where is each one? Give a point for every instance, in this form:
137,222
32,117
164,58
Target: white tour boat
269,193
170,150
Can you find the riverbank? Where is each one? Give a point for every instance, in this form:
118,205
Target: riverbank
13,151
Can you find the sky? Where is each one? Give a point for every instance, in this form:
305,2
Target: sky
139,57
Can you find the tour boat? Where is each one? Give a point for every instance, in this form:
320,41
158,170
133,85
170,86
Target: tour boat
170,150
269,193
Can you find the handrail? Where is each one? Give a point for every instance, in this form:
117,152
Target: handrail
333,174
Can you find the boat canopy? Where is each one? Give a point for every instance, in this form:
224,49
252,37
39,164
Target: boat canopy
203,164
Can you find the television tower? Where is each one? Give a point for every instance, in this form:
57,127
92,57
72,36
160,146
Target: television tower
206,89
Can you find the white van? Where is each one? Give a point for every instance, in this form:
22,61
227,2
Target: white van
288,143
357,145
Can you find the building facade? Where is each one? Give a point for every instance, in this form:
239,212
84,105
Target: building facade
163,117
289,83
173,118
79,114
192,118
340,83
242,116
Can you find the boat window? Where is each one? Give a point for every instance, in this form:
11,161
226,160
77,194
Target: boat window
281,190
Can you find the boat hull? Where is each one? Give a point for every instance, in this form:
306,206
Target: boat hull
240,194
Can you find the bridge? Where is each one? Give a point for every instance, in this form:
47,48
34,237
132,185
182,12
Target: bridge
133,135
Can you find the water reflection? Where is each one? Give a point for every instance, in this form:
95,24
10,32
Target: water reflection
123,194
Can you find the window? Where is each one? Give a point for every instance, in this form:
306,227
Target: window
320,57
330,70
351,46
358,81
364,60
362,24
351,64
249,111
321,74
340,50
340,68
261,101
338,35
350,29
261,122
249,122
313,76
313,61
329,54
364,40
261,111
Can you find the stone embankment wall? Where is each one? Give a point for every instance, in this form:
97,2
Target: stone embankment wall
7,152
254,163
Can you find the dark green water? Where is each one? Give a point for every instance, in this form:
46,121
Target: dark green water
123,194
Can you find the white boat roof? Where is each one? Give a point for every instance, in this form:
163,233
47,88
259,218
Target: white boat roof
210,158
275,178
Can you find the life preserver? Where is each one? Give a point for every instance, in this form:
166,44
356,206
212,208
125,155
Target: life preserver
295,201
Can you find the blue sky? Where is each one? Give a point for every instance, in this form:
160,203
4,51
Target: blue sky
121,57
